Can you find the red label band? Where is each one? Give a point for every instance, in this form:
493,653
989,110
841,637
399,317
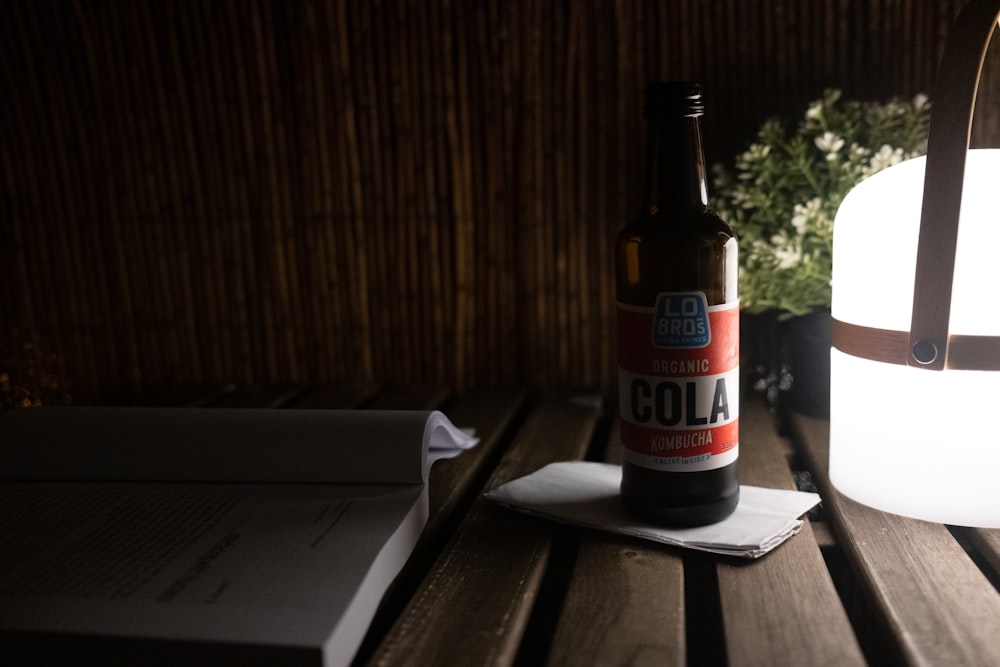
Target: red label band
679,383
702,449
637,352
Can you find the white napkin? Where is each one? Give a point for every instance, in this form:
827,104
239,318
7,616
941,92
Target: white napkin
586,494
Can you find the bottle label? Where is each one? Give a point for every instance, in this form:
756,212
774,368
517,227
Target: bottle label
678,379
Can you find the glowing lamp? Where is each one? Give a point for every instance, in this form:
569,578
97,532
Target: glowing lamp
915,364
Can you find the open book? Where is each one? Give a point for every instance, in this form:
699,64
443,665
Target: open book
180,536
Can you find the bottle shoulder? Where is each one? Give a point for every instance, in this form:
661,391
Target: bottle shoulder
677,225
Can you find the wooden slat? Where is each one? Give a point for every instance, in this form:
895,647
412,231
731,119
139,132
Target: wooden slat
782,609
624,603
192,396
258,396
625,606
475,603
938,605
409,398
334,397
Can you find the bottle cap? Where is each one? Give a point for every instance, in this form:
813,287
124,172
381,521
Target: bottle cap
680,98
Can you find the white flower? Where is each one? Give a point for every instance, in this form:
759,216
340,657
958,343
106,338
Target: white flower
788,256
815,111
755,153
920,101
804,214
741,198
886,157
785,252
830,144
799,220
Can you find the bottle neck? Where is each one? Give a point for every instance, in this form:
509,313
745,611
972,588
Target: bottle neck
675,165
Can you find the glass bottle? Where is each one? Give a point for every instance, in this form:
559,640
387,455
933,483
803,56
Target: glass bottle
678,329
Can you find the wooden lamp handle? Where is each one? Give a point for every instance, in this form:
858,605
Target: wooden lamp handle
954,99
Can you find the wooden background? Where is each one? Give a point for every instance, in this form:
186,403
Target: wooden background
412,192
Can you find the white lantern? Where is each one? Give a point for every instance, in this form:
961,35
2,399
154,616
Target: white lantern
915,364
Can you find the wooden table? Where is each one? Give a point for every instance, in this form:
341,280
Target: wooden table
487,586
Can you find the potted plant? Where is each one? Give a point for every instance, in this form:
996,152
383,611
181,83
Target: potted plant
781,196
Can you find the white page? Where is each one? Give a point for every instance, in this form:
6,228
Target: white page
224,445
587,494
266,565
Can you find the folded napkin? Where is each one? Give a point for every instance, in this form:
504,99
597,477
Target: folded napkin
586,494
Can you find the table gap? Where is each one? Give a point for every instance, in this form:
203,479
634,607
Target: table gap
876,639
537,640
600,441
855,604
706,642
964,537
868,626
536,643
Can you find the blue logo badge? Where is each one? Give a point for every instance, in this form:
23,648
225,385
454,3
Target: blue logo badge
681,320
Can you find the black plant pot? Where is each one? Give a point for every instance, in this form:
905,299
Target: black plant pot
807,345
788,360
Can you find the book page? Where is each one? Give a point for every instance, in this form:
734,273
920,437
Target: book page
291,565
224,445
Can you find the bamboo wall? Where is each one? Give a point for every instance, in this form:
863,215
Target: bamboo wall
412,192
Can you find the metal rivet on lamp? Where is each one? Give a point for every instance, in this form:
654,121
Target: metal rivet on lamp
915,364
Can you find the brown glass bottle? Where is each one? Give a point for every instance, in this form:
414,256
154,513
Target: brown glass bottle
678,329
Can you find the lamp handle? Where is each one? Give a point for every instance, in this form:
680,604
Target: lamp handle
954,99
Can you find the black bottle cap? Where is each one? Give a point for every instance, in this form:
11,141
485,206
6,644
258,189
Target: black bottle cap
676,98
